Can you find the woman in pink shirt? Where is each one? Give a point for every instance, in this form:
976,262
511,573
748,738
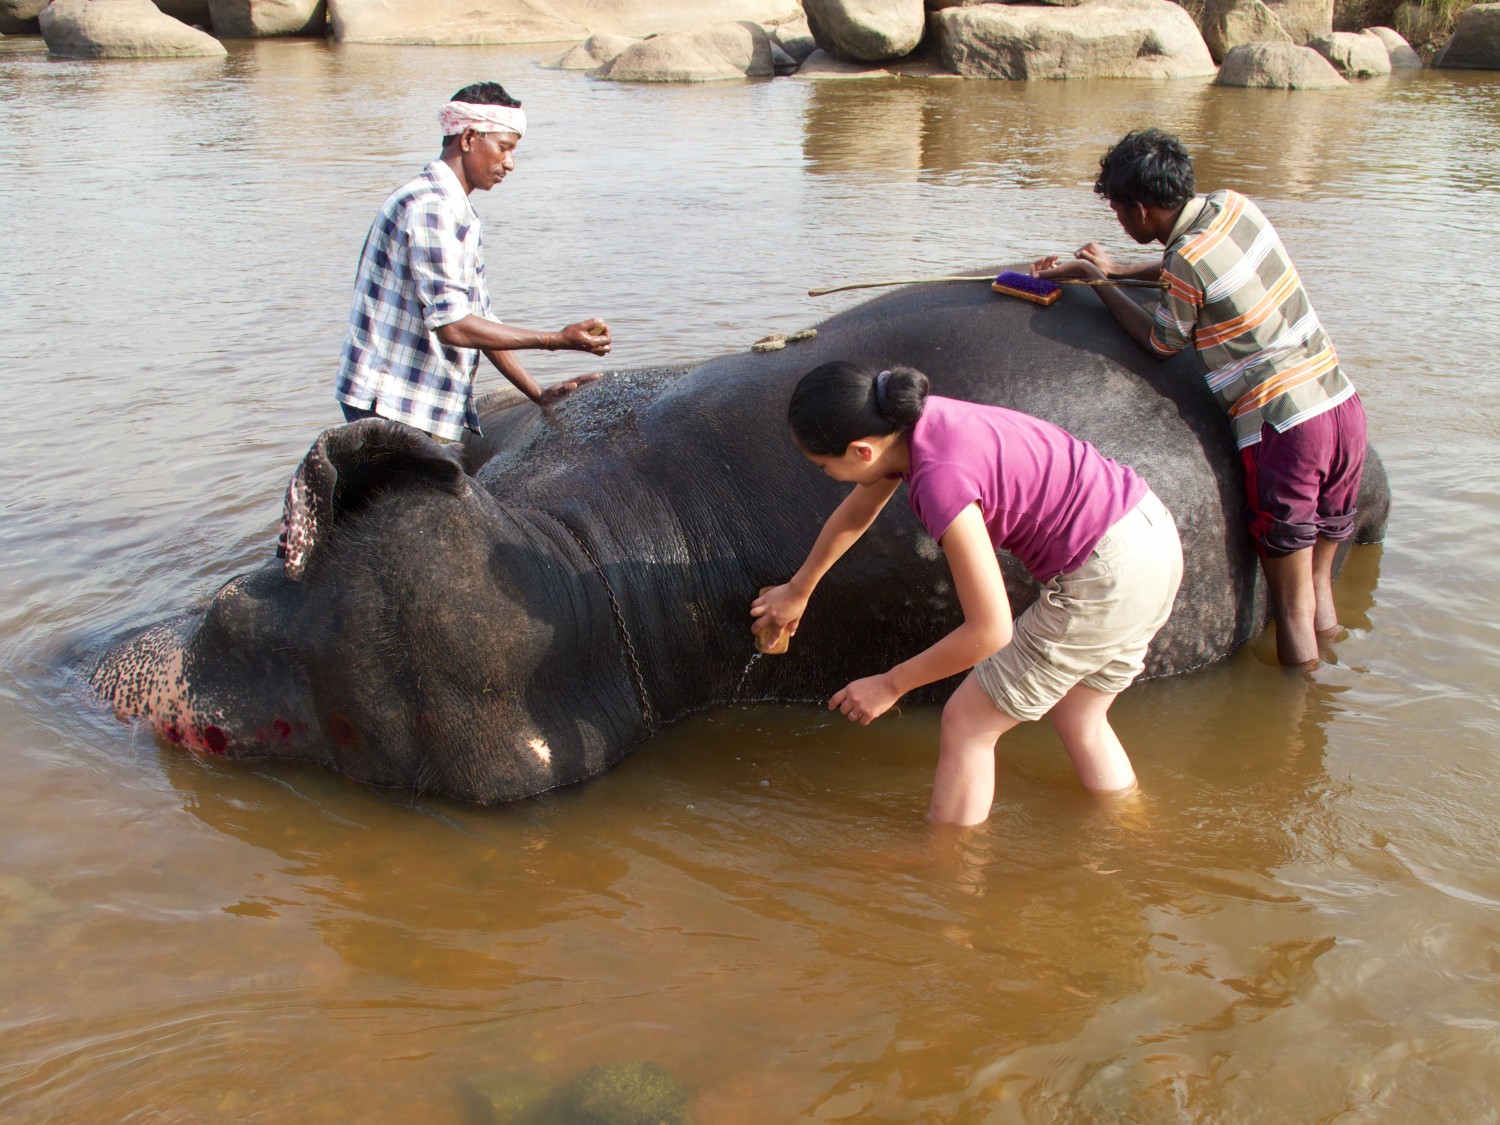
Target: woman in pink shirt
979,478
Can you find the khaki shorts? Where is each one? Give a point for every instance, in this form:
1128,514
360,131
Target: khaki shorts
1092,625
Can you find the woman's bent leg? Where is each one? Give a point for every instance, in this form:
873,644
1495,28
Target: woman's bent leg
963,789
1081,719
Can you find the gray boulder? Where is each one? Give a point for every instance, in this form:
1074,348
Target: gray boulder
866,30
710,54
594,52
1397,49
1096,39
1353,55
1228,23
1278,66
120,29
259,19
1476,40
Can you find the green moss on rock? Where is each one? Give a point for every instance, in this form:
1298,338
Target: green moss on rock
638,1093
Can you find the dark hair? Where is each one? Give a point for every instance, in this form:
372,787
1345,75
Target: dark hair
482,93
1149,167
842,402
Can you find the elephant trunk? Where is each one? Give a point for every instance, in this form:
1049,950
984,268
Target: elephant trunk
201,685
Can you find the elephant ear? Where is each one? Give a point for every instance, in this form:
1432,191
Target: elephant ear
344,467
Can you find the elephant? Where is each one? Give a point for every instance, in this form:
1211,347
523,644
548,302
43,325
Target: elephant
491,623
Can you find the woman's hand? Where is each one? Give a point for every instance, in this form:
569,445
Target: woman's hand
866,700
777,608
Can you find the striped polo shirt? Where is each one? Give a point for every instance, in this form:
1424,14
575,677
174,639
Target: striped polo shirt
1233,294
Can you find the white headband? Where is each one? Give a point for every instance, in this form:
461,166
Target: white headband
455,117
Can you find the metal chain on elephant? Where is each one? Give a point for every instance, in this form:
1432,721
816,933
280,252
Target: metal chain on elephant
614,605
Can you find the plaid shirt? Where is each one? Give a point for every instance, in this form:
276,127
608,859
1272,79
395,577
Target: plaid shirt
422,267
1232,293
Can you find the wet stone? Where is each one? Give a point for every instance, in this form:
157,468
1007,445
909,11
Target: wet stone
636,1093
509,1097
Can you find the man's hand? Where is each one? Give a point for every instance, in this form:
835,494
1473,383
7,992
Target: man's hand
590,335
562,390
1078,267
1100,257
866,700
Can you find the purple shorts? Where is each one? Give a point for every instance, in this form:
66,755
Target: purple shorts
1303,484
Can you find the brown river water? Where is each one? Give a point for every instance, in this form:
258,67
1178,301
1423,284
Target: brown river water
1300,921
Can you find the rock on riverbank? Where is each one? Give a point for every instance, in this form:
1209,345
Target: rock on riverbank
713,40
121,29
1094,39
1278,66
1476,40
446,22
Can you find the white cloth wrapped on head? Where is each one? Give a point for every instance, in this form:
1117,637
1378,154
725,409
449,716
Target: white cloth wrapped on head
458,116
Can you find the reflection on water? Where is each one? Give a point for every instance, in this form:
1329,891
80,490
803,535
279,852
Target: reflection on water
752,900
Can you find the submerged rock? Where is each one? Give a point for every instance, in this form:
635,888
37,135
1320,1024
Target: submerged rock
509,1097
631,1093
640,1093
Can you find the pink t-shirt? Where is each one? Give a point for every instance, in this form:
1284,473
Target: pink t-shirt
1047,497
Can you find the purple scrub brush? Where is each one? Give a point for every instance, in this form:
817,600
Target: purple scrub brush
1026,287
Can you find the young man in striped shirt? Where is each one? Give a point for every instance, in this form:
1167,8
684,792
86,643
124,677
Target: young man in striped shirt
1231,292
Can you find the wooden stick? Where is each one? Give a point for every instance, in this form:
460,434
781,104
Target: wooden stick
1122,282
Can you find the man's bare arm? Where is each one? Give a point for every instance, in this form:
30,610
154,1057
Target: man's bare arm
490,335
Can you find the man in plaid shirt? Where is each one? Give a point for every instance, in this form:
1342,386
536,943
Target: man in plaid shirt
1230,291
421,312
